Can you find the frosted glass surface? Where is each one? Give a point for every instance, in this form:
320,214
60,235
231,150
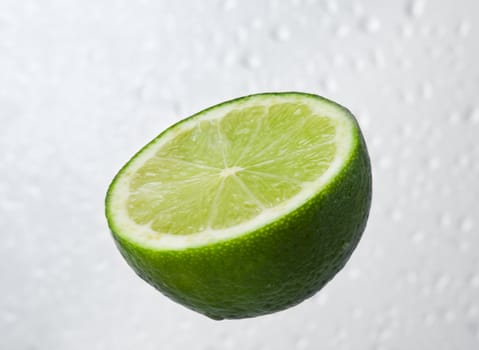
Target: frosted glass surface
85,84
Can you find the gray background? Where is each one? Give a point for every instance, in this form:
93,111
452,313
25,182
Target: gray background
84,84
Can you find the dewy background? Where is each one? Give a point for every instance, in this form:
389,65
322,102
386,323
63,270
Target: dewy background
85,84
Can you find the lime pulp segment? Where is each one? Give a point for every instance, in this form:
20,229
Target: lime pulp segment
230,169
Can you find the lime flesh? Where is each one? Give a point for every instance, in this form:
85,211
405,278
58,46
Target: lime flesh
245,208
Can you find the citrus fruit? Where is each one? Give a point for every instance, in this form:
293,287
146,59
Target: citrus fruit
247,207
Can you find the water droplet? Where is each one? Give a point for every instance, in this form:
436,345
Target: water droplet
433,163
100,266
449,316
330,85
9,205
311,327
473,115
371,25
251,332
418,237
359,65
310,68
228,343
407,31
39,273
378,252
454,118
257,23
252,62
425,291
31,7
150,44
321,298
442,282
473,311
354,273
170,23
385,162
358,9
32,190
464,28
466,224
474,281
343,31
416,8
380,347
427,91
229,5
281,34
357,313
9,317
436,52
411,277
406,130
445,220
385,332
473,329
396,215
376,142
338,60
242,34
430,319
230,58
302,343
378,58
394,312
217,39
463,245
408,97
332,6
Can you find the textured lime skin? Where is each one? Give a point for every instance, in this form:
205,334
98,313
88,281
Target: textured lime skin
274,267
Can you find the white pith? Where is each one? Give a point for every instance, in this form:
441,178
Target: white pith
145,235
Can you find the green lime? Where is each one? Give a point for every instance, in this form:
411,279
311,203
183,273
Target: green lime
247,207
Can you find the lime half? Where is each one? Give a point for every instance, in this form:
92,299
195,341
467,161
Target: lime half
247,207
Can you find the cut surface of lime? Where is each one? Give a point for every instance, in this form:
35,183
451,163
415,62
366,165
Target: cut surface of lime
231,169
239,174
